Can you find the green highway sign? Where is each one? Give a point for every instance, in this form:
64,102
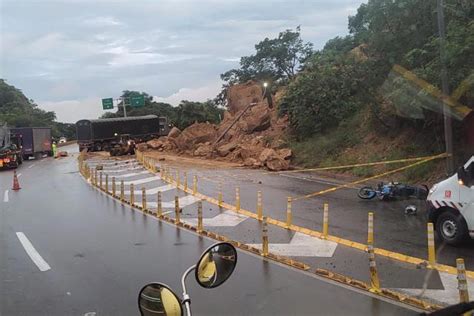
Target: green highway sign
137,101
108,104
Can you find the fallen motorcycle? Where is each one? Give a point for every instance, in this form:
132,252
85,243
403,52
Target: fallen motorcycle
213,268
392,191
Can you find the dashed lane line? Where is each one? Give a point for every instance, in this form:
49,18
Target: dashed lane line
153,191
142,181
19,175
128,175
31,166
5,196
31,251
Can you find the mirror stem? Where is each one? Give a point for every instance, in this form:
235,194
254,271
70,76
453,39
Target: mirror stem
186,298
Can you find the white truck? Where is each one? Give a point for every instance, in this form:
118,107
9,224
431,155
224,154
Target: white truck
451,205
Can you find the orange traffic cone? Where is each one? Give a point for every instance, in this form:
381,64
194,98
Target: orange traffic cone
16,184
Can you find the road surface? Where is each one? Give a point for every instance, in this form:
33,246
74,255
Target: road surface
67,249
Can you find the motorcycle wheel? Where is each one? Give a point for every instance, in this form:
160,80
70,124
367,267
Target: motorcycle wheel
366,193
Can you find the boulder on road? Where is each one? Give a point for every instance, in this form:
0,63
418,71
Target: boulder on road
196,134
224,150
174,132
155,143
285,153
267,154
142,146
277,164
203,150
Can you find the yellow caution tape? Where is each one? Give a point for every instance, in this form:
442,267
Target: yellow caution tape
386,162
444,155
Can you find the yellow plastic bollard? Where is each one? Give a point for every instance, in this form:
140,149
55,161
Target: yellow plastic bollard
195,181
185,181
144,208
162,173
159,208
114,189
259,205
264,237
431,246
374,277
462,282
200,225
177,179
122,191
96,177
176,210
370,235
325,220
220,198
132,194
107,183
237,199
289,215
101,184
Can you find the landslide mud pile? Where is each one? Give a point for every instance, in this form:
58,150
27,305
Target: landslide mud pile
255,140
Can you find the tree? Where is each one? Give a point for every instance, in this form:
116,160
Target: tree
189,112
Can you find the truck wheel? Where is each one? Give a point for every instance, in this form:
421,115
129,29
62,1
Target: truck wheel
451,228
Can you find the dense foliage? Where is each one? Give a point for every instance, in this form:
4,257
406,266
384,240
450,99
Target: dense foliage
185,114
18,111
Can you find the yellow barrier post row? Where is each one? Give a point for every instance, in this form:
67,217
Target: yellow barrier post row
219,196
288,212
264,237
259,205
431,246
462,281
370,229
132,194
195,180
176,210
114,188
144,208
106,183
122,191
199,226
325,221
159,208
237,199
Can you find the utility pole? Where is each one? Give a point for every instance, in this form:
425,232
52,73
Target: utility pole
124,107
448,133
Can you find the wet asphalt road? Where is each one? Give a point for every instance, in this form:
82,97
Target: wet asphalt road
393,229
101,253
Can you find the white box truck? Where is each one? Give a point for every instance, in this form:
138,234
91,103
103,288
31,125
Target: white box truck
451,205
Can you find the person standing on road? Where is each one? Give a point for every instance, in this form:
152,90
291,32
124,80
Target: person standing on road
55,149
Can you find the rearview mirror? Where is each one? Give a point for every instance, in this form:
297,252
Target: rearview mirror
158,299
216,265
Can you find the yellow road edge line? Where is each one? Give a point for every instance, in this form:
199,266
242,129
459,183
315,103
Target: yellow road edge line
346,242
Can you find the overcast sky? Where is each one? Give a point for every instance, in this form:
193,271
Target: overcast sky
68,54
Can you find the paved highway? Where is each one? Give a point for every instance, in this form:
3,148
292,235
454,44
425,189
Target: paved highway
89,255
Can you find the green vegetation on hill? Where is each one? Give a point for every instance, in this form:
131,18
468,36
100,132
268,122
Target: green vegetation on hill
346,104
18,111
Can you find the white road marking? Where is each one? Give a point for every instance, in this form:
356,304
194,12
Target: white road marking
31,166
128,175
152,191
450,294
302,245
123,170
19,175
5,196
142,181
183,202
226,219
31,251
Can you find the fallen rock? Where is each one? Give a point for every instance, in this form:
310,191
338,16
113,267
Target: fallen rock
174,132
142,146
277,164
224,150
252,162
256,119
285,153
267,154
155,143
196,134
203,150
